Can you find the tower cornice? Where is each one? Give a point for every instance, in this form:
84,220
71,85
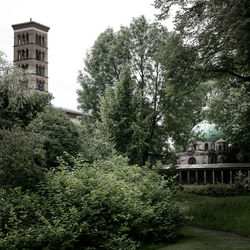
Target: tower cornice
31,24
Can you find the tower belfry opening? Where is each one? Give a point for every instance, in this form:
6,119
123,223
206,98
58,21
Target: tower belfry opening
31,52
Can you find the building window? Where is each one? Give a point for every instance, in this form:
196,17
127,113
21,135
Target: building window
27,38
206,147
19,55
43,44
19,40
42,56
23,39
40,85
38,55
191,160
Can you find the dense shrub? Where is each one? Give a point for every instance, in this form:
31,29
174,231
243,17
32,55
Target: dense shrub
106,205
60,133
22,159
215,190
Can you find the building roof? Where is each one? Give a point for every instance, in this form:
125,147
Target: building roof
211,166
70,111
30,24
208,131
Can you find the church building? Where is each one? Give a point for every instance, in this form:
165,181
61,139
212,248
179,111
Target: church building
31,54
206,160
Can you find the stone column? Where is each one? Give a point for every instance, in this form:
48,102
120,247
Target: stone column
188,178
213,176
205,177
231,177
222,177
196,177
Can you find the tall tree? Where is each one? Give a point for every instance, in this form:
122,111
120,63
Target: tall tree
163,89
219,30
230,108
117,112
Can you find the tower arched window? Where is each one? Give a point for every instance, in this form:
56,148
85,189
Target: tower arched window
23,55
19,55
191,160
23,39
19,40
27,54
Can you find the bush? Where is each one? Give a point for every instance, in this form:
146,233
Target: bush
22,159
105,205
60,133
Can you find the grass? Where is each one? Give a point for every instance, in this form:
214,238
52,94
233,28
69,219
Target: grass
203,239
230,214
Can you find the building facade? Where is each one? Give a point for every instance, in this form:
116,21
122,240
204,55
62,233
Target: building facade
206,159
31,52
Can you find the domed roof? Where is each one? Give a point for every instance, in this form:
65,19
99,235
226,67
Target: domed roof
208,131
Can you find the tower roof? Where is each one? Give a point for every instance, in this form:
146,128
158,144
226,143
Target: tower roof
29,25
208,131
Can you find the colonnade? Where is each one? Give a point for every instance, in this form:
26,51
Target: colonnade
209,176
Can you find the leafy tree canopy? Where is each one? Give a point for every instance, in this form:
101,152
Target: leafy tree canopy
18,104
22,159
145,102
60,134
218,29
229,108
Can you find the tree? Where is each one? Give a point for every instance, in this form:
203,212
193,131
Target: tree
160,88
18,105
118,112
102,67
61,134
230,108
219,30
22,159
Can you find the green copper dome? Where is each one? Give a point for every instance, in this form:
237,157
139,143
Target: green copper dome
207,131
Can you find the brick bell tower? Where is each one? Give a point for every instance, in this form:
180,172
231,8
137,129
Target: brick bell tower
31,52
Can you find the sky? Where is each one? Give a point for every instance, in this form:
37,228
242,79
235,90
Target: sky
74,26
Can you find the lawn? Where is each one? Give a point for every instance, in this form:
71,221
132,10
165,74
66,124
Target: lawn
193,238
229,214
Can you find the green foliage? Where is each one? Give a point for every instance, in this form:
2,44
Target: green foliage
118,114
94,144
225,213
22,159
229,107
151,97
60,133
219,30
218,190
105,205
18,104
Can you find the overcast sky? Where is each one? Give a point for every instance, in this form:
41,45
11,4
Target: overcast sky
74,26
